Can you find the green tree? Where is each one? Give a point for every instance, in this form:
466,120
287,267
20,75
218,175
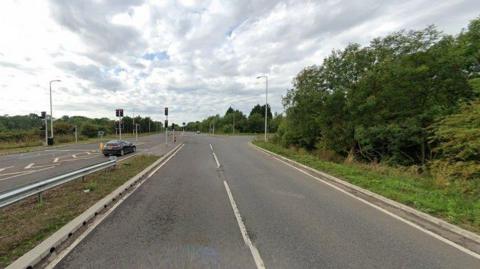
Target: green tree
456,144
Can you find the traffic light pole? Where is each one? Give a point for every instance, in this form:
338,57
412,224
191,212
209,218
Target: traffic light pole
46,130
166,129
120,127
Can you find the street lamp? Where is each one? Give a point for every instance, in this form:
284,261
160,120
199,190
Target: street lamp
266,101
51,109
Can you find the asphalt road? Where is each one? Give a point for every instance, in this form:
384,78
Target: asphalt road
190,214
25,168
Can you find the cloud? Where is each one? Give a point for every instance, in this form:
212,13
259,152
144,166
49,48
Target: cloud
197,57
97,77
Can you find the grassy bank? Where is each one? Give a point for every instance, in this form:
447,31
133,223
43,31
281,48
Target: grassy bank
456,202
25,224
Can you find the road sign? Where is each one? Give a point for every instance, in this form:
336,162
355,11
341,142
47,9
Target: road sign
166,111
119,112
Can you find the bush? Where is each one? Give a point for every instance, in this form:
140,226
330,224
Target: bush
89,130
457,144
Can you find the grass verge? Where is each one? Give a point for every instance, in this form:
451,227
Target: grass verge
456,202
25,224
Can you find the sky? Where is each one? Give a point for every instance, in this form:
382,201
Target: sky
196,57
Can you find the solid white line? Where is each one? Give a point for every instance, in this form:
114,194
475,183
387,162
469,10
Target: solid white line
160,166
99,220
216,159
256,255
453,244
29,166
211,147
55,160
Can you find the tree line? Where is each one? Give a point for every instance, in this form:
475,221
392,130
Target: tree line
409,98
235,121
32,127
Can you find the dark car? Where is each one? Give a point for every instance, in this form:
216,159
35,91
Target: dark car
118,147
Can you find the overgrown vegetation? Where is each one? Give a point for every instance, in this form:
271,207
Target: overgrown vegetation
25,224
407,99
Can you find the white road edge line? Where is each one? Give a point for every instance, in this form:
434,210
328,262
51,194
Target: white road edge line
99,220
444,240
29,166
256,255
211,147
160,166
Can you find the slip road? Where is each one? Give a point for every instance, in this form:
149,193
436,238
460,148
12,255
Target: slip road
25,168
219,203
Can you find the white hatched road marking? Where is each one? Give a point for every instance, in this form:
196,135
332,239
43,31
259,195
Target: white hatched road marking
29,166
5,168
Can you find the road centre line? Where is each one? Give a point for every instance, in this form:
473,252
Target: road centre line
243,230
216,159
256,255
432,234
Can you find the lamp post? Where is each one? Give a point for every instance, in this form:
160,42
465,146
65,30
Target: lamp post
266,101
51,107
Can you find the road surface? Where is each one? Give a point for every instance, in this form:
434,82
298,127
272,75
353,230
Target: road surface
25,168
190,214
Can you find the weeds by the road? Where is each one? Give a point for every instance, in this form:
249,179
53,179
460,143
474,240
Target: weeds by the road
27,223
456,202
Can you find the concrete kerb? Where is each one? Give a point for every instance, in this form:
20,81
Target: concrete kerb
49,245
433,220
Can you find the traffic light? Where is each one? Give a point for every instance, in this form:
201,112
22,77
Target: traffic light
119,112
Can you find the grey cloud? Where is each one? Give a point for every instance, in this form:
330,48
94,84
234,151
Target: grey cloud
93,74
91,21
17,66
